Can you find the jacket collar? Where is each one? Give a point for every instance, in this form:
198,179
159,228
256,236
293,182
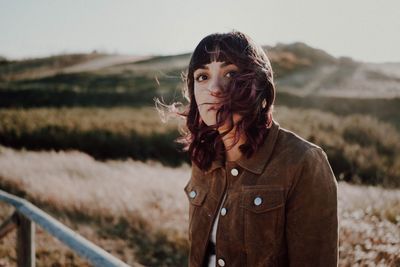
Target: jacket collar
257,161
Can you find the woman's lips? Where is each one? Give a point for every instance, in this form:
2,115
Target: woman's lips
212,108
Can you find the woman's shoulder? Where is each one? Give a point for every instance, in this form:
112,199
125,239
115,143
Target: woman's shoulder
296,145
307,156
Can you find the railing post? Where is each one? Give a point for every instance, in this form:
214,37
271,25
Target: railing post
25,242
25,218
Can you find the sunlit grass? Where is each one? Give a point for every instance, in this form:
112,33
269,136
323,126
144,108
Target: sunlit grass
143,120
74,182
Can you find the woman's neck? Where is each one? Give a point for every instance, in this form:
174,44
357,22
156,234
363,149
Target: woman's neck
234,153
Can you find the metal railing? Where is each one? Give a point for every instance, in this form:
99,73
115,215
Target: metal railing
24,218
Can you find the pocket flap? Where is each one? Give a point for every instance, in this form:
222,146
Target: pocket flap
195,193
262,199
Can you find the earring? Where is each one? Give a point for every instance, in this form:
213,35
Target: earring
264,103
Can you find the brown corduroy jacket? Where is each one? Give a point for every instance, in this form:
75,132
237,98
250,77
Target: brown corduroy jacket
280,207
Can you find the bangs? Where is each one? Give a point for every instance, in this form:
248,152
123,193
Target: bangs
208,50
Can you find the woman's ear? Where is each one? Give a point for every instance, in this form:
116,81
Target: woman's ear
264,103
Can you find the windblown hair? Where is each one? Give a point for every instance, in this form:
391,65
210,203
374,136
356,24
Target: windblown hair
244,95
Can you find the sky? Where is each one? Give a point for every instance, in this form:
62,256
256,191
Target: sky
366,30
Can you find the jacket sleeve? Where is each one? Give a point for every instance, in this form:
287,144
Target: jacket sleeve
312,229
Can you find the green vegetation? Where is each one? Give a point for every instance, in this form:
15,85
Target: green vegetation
102,133
107,113
385,109
89,89
360,148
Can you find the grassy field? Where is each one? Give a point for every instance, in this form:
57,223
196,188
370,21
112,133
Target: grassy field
107,202
361,148
110,204
79,134
102,133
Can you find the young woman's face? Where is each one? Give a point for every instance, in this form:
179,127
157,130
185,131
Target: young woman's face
208,80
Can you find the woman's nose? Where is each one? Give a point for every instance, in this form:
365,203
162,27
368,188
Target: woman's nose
214,86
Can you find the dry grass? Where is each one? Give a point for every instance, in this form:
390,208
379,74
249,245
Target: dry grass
369,226
74,181
369,216
51,252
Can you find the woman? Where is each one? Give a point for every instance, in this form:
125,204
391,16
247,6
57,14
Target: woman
259,195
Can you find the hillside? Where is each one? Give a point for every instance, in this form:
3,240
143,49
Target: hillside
299,69
80,133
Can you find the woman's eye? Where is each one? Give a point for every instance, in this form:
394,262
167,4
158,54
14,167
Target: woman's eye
201,77
231,74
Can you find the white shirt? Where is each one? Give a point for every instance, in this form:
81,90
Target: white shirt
213,237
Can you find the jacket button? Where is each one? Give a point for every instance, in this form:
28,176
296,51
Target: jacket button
223,211
234,172
257,201
192,194
221,262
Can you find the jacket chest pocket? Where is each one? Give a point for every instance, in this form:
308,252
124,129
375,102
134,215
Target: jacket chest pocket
196,195
263,212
